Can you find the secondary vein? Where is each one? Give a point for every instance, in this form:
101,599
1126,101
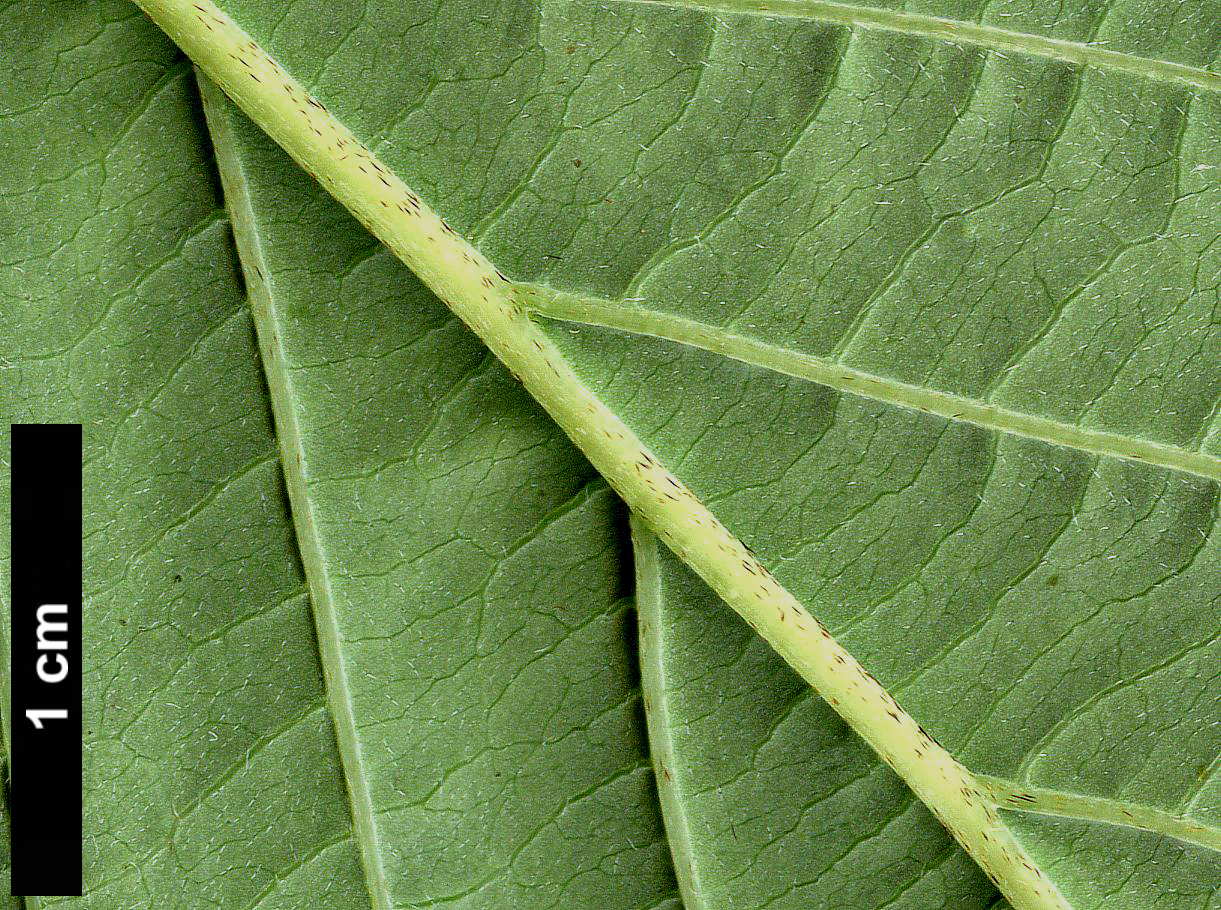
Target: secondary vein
623,316
957,31
1044,801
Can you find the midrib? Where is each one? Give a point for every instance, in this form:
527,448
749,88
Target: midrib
956,31
288,432
623,316
1044,801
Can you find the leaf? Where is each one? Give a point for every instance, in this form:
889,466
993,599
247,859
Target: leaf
1022,246
771,800
599,368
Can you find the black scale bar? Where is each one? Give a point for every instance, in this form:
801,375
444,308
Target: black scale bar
45,653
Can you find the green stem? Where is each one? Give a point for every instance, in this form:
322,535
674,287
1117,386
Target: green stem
487,302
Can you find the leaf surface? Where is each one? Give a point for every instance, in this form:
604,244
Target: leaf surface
465,561
771,799
213,772
207,746
920,303
6,857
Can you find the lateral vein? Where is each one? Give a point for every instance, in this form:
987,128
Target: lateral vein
1007,794
656,700
622,316
957,31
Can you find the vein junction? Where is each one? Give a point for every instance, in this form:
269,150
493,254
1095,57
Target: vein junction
623,316
955,31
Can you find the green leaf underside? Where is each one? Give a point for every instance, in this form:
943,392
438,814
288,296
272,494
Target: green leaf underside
8,901
211,751
1038,610
469,560
210,771
806,185
943,217
1046,611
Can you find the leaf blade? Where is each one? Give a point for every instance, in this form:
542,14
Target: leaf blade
127,317
567,307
